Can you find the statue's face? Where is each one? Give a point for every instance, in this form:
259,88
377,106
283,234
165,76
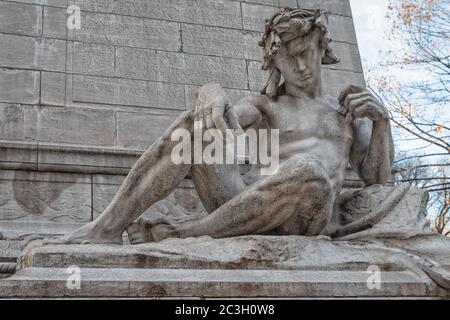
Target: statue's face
300,60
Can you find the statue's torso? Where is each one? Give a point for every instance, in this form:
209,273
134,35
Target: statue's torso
314,127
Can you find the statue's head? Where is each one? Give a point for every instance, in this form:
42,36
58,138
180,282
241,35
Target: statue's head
296,44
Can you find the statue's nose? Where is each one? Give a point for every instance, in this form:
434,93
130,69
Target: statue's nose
301,66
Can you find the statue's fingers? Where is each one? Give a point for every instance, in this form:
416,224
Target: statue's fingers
363,111
209,122
355,96
233,120
355,103
351,89
219,121
343,95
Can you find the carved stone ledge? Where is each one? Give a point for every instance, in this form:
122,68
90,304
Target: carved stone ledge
66,158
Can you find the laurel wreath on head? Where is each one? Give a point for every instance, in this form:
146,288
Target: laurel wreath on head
286,25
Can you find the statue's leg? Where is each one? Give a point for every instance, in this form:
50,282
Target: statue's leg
215,185
153,177
298,199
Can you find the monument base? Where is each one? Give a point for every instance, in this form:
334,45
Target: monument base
194,283
243,267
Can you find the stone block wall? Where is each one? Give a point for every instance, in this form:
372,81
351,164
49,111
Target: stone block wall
79,106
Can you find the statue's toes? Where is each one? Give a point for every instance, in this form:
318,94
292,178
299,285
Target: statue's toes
139,232
133,228
137,239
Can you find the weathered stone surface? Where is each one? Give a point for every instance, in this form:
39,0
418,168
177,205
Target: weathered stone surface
254,16
233,94
341,7
51,197
20,18
129,31
221,42
19,86
9,250
25,52
82,159
53,88
128,92
91,58
55,23
16,51
50,54
380,212
321,266
212,28
242,253
180,68
256,76
274,3
261,265
94,5
342,29
18,122
158,283
114,29
54,157
182,204
334,81
222,13
139,131
349,56
18,155
76,125
176,73
22,231
287,3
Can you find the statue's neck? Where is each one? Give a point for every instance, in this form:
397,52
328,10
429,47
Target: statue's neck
312,91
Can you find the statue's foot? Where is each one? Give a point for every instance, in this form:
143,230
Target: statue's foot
90,233
144,231
140,232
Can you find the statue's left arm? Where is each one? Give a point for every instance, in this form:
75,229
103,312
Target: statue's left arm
372,152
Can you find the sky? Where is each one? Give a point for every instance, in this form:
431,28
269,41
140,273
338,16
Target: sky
371,27
372,32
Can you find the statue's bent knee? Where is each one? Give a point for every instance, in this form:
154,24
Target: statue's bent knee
306,168
313,195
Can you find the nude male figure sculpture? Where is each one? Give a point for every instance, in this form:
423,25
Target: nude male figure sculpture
319,136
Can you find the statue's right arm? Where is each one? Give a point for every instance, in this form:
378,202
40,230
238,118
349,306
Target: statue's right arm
251,110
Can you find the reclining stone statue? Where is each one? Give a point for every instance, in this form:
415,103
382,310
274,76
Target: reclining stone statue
318,137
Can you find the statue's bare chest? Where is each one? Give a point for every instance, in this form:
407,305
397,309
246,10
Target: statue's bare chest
312,119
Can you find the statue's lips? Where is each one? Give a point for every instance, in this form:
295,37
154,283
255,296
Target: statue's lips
304,78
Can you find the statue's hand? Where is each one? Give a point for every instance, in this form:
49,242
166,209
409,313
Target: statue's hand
213,109
361,103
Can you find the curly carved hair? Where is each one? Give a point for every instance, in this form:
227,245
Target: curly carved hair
286,25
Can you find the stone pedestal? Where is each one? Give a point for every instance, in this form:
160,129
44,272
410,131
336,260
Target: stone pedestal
244,267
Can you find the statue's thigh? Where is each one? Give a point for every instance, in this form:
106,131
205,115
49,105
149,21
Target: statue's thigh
312,193
217,184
